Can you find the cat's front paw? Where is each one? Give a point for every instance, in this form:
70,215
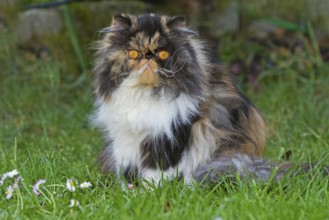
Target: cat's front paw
152,178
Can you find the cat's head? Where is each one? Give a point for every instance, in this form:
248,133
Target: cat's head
151,52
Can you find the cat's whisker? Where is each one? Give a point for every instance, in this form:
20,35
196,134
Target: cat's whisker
163,72
173,67
182,64
173,56
173,71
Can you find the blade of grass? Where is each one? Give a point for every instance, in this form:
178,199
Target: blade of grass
314,42
75,43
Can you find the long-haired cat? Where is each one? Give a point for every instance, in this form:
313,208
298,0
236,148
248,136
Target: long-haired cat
168,109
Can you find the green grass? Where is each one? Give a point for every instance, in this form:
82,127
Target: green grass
45,134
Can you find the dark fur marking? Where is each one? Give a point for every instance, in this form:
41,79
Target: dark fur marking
162,153
235,118
107,80
149,24
130,173
247,103
105,159
235,115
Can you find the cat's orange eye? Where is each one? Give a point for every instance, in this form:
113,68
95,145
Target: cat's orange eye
163,55
133,54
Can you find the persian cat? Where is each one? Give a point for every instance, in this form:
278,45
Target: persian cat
168,109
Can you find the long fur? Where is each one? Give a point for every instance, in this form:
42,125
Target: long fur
171,118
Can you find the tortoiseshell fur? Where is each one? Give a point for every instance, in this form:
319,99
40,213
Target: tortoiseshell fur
180,117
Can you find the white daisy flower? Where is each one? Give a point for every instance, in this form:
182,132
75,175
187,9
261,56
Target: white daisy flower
73,203
9,192
36,186
85,185
71,185
10,174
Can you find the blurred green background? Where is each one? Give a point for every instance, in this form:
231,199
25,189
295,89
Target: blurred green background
250,35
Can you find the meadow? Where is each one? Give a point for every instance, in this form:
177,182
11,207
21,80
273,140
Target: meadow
45,134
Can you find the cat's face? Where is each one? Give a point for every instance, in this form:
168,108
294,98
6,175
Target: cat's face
149,52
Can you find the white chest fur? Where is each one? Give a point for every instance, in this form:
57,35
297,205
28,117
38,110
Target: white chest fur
133,113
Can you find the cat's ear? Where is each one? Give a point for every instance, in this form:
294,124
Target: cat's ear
178,23
119,23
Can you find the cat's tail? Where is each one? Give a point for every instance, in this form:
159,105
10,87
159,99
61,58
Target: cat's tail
251,167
